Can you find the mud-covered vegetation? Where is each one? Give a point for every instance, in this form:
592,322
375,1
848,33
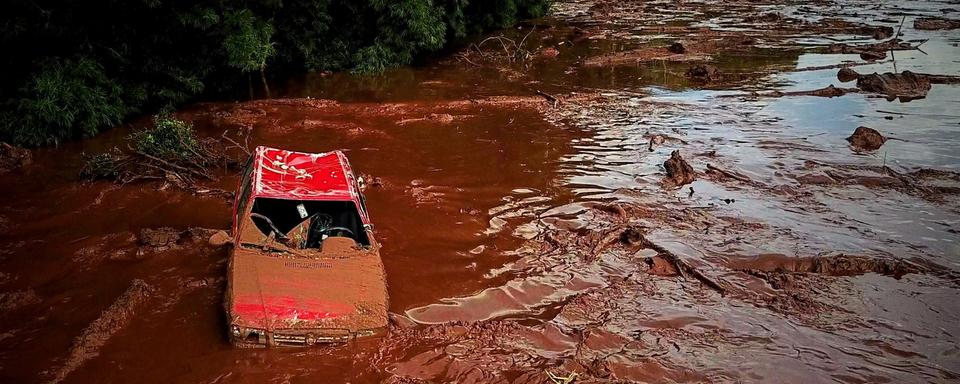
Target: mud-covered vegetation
169,150
79,68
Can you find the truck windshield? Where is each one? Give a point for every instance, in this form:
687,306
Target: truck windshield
316,220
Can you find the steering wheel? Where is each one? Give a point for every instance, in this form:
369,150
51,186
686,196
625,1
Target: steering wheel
280,235
340,231
319,220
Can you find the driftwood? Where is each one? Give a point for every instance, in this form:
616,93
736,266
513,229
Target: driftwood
684,268
194,159
551,98
828,91
725,173
841,65
511,51
632,235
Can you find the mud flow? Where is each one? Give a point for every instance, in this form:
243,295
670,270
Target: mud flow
630,192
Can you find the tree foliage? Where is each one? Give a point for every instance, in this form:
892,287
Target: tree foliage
169,138
77,67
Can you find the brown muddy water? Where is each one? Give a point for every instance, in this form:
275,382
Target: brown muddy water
524,238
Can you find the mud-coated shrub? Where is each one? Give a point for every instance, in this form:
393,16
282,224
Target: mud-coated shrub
167,139
101,165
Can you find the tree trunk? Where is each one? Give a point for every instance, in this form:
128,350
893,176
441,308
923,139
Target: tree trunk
250,85
263,78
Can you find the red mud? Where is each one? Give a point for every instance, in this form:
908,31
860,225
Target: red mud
645,55
661,267
935,23
838,265
95,336
12,301
12,157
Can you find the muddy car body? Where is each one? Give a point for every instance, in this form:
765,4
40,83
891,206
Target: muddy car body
305,267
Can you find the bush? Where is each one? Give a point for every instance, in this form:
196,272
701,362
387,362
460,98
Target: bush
101,166
168,139
168,150
64,99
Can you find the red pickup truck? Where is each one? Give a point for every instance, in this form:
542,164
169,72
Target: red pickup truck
305,267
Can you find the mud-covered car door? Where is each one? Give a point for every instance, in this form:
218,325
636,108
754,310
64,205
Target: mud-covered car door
242,198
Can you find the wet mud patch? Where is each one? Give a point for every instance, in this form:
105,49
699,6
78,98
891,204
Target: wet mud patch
644,55
741,206
17,300
871,51
806,292
468,352
113,246
933,185
95,336
835,265
342,117
796,294
166,238
13,157
935,23
478,352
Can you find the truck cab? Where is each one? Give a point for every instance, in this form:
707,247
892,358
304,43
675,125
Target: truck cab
305,267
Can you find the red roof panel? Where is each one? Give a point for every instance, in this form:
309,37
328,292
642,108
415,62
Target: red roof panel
283,174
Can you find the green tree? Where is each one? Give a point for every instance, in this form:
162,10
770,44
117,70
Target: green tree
75,67
247,43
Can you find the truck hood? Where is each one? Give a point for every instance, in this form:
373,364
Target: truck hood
270,291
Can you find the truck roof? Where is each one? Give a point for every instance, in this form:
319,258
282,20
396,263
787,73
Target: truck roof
285,174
